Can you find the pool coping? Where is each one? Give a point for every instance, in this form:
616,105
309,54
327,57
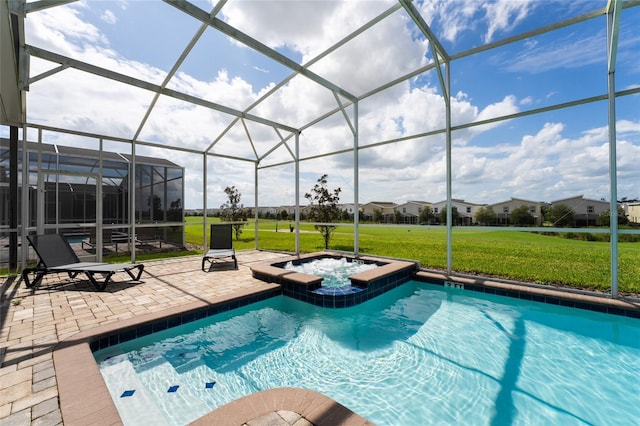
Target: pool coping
85,399
538,293
316,408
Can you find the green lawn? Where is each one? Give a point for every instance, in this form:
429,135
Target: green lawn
520,256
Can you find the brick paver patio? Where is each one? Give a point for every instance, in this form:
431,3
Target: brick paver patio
33,322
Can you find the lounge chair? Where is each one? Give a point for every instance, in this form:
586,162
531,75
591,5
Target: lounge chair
57,256
92,240
146,236
220,245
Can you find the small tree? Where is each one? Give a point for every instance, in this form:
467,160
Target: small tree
397,217
233,211
454,216
426,215
486,216
561,215
545,210
605,217
377,216
324,208
522,216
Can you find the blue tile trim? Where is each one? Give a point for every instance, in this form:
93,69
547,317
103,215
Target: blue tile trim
111,339
342,297
552,300
347,296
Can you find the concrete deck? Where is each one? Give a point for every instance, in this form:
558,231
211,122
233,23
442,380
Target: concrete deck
33,322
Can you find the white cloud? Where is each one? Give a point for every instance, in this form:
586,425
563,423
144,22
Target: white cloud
541,163
548,165
456,17
109,17
526,101
290,24
504,15
569,52
506,106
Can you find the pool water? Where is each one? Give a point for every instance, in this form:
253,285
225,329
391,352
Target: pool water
419,354
335,272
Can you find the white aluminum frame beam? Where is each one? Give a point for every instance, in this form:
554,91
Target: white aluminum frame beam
248,41
325,53
437,50
614,10
112,75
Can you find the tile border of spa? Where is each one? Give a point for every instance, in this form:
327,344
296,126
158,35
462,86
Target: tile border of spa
389,274
537,293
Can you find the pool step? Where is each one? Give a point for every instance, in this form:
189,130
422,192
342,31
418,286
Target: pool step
135,403
179,399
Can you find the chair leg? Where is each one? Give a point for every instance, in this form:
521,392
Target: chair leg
38,275
137,276
99,285
25,277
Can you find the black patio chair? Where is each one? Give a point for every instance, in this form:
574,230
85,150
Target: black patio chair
57,256
220,245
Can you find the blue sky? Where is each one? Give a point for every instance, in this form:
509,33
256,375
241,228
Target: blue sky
545,157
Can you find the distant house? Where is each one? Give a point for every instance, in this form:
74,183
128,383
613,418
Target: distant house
466,210
632,210
586,210
504,209
268,212
411,210
387,209
290,210
350,208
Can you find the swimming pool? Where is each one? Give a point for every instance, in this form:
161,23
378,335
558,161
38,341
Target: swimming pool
419,353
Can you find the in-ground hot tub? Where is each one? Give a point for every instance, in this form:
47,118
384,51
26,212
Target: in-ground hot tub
362,286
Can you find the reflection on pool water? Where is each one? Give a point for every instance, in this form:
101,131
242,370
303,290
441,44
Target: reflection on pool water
418,354
335,272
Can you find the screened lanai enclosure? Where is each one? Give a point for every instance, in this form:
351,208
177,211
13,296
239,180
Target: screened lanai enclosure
438,101
72,180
